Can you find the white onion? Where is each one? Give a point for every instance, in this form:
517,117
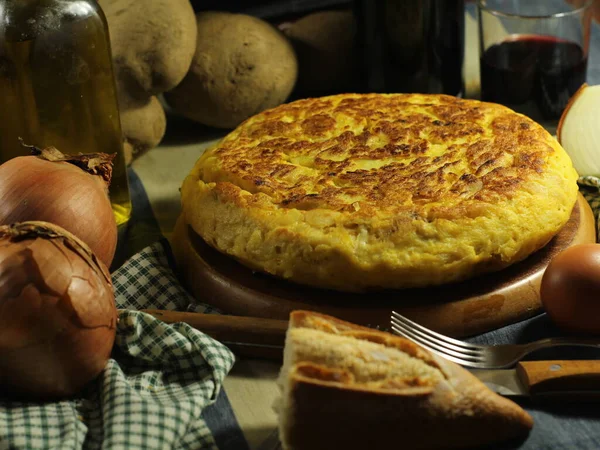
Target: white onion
579,130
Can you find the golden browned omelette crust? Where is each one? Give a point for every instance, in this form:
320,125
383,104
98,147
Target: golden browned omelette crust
357,192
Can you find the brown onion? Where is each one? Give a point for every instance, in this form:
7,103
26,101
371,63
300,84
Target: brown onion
57,312
69,191
570,289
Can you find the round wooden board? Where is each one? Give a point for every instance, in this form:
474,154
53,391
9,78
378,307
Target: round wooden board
471,307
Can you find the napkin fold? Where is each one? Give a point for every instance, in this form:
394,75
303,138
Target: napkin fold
153,390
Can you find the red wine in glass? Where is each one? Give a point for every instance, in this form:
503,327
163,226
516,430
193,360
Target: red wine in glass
535,75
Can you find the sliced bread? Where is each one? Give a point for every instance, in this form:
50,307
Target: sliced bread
349,387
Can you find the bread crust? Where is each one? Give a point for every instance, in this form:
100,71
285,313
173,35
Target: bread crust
393,191
324,409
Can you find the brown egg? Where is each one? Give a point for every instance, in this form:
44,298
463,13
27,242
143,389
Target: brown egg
570,290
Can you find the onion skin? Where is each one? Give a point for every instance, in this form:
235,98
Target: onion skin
570,290
69,191
57,312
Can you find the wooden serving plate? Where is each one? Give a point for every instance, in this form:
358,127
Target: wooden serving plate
475,306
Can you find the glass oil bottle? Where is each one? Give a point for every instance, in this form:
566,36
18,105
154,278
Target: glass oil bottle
57,86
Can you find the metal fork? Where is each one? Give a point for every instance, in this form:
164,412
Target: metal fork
477,356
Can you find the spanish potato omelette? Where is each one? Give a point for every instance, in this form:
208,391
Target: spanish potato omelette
357,192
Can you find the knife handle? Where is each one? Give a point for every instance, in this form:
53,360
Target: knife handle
542,377
247,336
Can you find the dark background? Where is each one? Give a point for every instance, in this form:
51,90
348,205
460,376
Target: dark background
270,9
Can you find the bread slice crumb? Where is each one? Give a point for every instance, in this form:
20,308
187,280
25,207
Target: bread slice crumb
347,386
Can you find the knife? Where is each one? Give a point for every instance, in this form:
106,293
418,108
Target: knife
264,338
570,379
247,336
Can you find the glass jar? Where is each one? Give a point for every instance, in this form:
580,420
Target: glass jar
57,86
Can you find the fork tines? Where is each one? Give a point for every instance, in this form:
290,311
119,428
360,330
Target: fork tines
453,349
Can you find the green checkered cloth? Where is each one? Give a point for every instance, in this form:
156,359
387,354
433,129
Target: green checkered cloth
153,390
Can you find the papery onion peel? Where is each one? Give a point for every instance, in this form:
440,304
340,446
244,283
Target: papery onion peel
70,191
57,312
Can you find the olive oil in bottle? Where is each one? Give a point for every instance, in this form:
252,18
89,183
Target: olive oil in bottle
57,86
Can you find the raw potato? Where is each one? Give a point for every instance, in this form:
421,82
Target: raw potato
145,122
324,44
152,41
241,67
